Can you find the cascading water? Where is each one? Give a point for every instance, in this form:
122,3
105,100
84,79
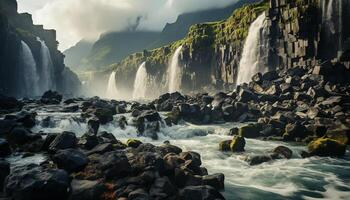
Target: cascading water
332,20
47,70
254,52
141,82
112,90
30,75
175,72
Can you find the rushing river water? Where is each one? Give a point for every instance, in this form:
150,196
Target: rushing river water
297,178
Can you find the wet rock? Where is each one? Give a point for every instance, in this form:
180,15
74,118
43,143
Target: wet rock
51,97
71,160
200,192
34,183
4,172
142,161
258,159
237,144
225,145
6,126
101,149
122,122
86,190
138,194
162,188
326,147
65,140
133,143
9,104
234,131
269,76
5,149
105,137
168,148
93,125
250,131
283,151
215,180
88,141
26,119
246,95
48,140
339,132
193,156
20,136
104,115
294,131
115,165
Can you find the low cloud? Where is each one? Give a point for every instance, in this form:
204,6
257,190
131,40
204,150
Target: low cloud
77,19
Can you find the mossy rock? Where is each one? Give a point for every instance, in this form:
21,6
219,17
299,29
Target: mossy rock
250,131
326,147
133,143
237,144
225,145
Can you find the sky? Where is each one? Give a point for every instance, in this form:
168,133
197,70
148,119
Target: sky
88,19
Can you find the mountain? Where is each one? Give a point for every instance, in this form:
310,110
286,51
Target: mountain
75,54
179,29
115,46
30,61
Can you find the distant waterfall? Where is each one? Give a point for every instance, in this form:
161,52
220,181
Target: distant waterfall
30,74
254,52
141,82
47,69
175,72
112,90
332,19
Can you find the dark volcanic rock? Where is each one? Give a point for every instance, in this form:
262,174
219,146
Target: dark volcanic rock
326,147
71,160
5,149
214,180
86,190
64,140
32,182
51,97
4,172
9,104
115,165
200,192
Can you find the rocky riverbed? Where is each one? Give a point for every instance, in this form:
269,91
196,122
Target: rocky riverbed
282,136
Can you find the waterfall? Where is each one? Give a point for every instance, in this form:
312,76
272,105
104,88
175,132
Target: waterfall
30,75
47,69
254,52
175,72
332,20
141,82
112,90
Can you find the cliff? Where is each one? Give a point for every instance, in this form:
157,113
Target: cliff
16,29
297,36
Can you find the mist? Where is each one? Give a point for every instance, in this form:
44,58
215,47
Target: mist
77,19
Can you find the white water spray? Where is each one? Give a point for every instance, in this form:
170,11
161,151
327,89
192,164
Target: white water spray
252,56
112,90
175,72
141,82
30,74
47,70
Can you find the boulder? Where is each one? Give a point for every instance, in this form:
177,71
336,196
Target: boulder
71,160
115,165
65,140
203,192
122,122
5,149
294,131
104,115
162,188
51,97
138,194
9,104
86,190
215,180
237,144
133,143
283,152
225,145
101,149
250,131
246,95
88,141
93,125
193,156
258,159
32,182
20,136
4,172
326,147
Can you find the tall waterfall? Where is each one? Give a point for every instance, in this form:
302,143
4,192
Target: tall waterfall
141,82
112,90
332,19
47,69
175,72
253,57
30,74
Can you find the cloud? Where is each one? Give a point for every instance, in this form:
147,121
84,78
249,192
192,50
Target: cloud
77,19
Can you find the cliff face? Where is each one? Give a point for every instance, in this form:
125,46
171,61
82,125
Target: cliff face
298,34
15,28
